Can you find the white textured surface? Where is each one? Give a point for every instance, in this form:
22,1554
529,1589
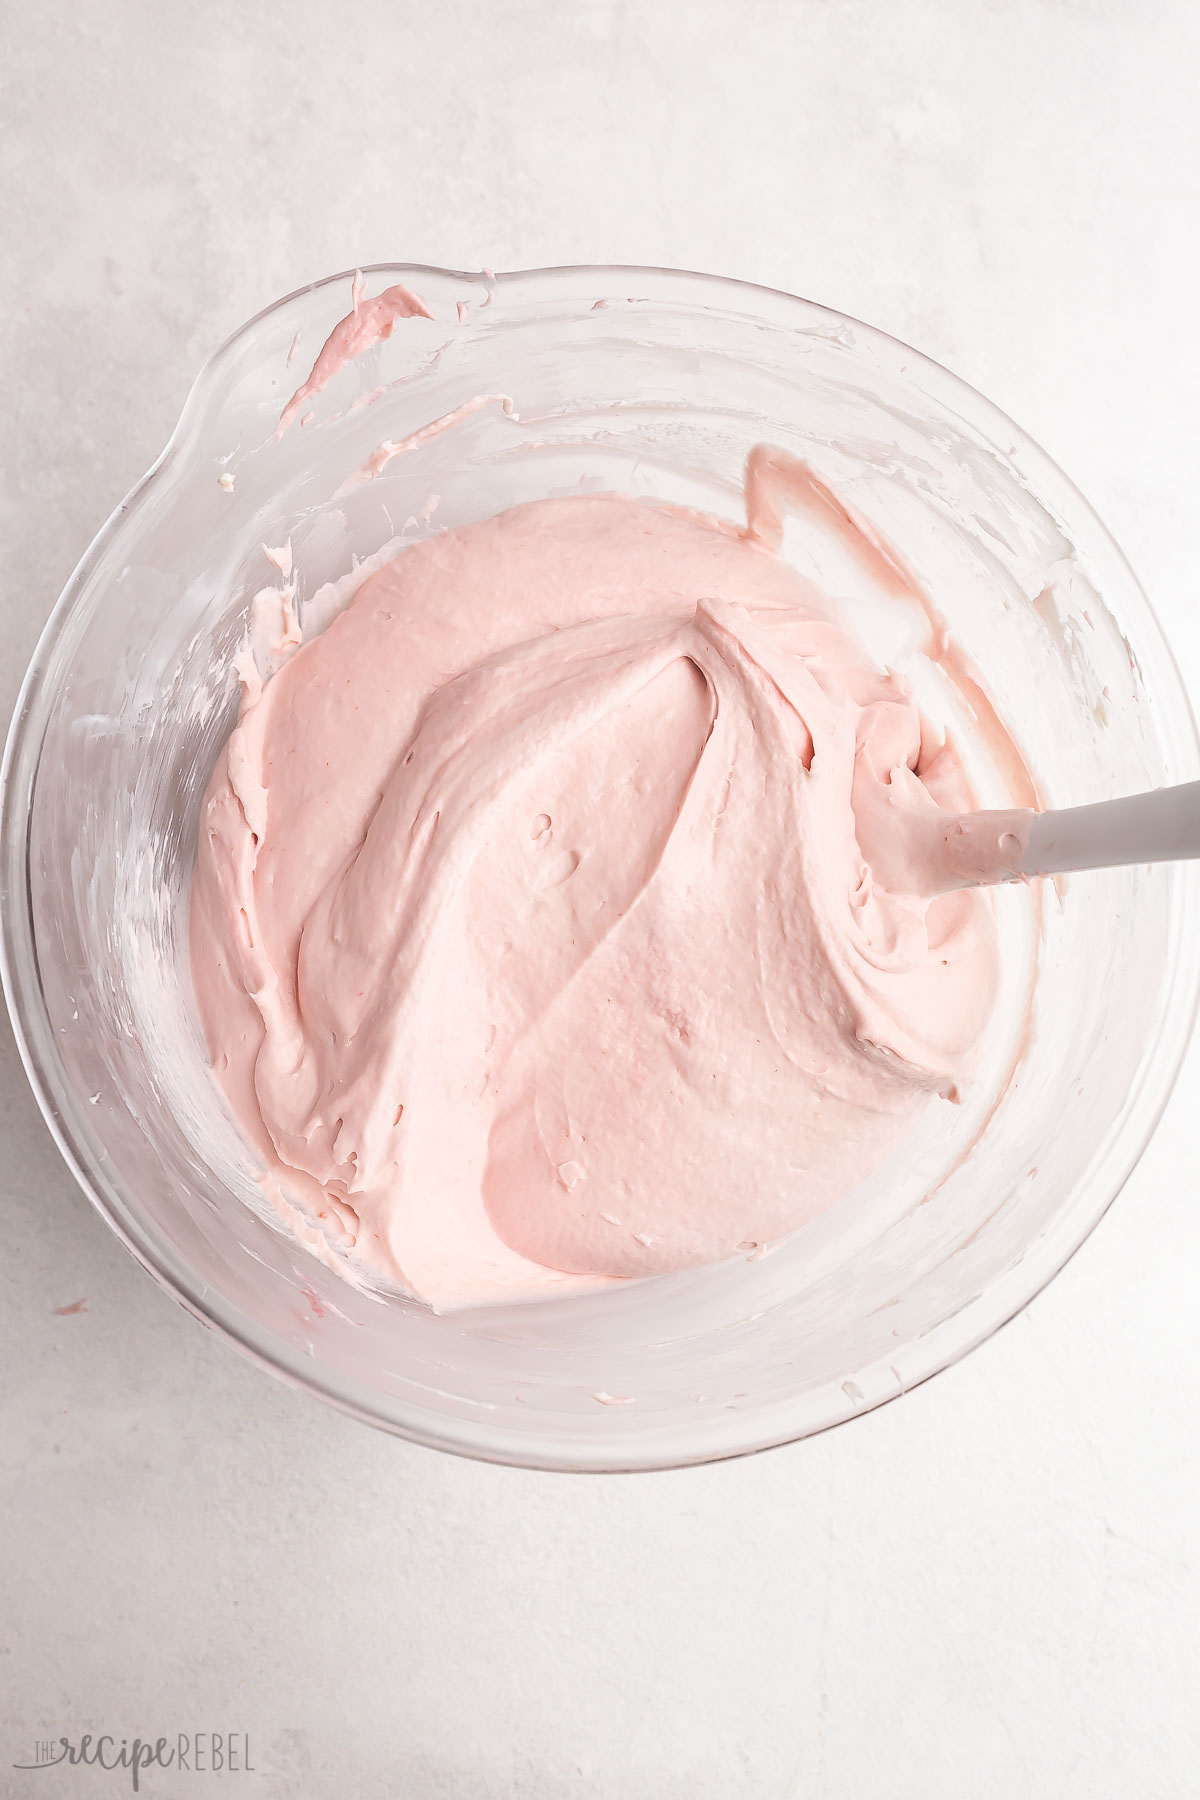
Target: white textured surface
988,1589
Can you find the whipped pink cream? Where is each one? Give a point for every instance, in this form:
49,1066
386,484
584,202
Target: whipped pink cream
535,933
368,322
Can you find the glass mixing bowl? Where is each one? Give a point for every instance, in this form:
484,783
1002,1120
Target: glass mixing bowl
657,383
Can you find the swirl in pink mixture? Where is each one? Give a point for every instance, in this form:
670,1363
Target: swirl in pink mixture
531,932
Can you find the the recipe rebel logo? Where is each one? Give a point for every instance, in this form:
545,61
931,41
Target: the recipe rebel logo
187,1752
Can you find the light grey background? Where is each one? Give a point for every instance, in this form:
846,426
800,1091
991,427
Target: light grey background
988,1589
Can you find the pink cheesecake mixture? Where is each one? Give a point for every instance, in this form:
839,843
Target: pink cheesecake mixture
548,927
